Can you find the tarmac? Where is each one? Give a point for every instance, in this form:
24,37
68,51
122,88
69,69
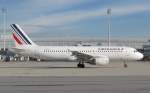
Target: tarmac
84,84
70,69
65,77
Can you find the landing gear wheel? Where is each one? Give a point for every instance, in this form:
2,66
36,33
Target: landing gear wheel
125,65
81,65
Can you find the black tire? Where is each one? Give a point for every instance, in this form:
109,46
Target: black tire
81,65
125,65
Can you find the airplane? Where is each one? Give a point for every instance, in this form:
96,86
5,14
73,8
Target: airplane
94,55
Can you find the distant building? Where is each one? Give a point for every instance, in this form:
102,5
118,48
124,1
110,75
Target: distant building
86,42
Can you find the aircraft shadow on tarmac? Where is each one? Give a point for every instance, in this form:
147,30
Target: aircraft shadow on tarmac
59,67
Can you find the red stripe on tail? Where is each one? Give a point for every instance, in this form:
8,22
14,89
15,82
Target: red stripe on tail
16,39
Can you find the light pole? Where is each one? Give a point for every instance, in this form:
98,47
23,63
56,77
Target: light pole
109,24
4,11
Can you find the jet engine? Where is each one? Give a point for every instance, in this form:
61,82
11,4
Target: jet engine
99,61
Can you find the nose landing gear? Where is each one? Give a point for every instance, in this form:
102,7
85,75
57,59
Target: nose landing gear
125,65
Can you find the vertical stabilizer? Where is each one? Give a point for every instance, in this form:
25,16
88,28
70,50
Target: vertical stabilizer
20,37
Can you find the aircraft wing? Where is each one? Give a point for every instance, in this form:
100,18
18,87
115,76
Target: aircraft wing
93,60
82,56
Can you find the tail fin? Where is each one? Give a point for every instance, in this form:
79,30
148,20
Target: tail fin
20,36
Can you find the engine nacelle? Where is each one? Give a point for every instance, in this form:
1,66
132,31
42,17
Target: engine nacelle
99,61
102,61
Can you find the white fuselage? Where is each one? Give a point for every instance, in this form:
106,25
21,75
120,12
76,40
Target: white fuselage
64,52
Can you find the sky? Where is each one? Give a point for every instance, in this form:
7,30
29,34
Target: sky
79,18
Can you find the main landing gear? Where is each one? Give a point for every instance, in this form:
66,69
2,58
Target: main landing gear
81,64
